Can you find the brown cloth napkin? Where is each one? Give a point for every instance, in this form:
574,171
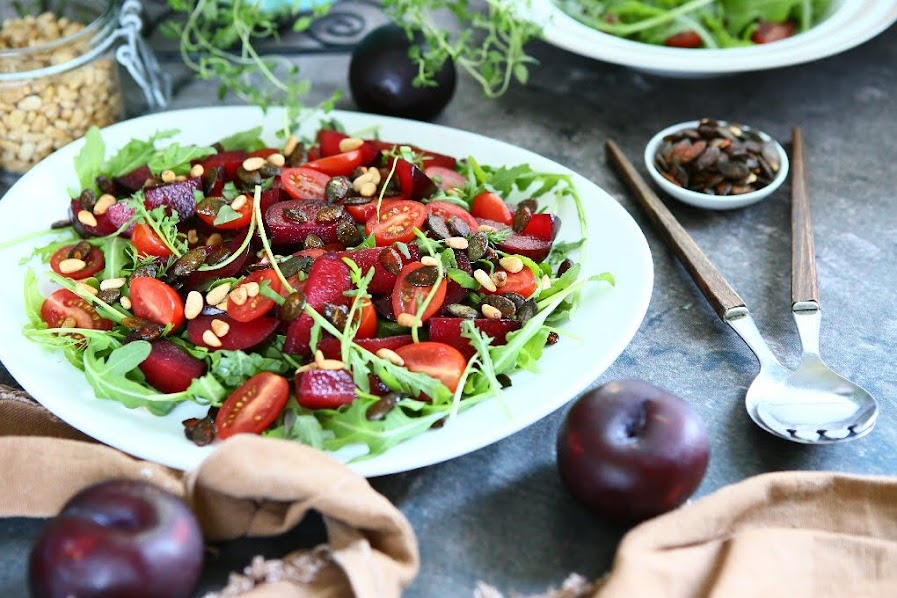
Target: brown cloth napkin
789,534
250,486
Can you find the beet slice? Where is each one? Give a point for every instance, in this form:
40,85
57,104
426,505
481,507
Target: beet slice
119,214
286,231
178,196
104,225
171,369
242,335
327,281
134,180
230,161
383,306
324,389
448,331
383,280
197,278
532,247
330,346
272,196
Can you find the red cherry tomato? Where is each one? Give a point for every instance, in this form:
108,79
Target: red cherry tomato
490,206
363,212
329,140
153,300
304,183
772,32
445,178
407,298
243,221
441,361
686,39
523,283
148,242
368,326
447,210
259,305
344,163
94,261
65,309
254,406
397,221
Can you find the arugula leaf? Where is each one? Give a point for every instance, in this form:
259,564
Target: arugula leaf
115,250
89,161
302,428
177,158
34,300
108,377
226,214
233,368
463,278
250,141
353,427
135,153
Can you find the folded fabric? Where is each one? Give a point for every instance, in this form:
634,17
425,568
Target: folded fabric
250,486
791,534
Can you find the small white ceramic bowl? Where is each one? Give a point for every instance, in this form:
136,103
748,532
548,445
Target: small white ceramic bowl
705,200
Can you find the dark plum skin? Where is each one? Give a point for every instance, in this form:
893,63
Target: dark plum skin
119,538
381,77
629,450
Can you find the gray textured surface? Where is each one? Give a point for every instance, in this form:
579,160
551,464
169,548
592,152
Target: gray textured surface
500,514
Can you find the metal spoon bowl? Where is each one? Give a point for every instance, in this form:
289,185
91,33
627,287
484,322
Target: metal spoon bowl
811,405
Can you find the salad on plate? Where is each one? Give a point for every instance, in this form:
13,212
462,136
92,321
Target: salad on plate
342,291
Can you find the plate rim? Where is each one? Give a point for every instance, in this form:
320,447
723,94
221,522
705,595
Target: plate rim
375,466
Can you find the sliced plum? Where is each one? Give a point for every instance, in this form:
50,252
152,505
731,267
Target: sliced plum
543,226
414,183
230,161
327,281
171,369
324,389
104,225
454,292
291,222
532,247
448,331
179,196
134,180
240,336
198,278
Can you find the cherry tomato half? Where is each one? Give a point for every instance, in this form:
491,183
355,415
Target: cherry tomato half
490,206
772,32
441,361
447,210
523,283
445,178
407,298
148,242
397,221
685,39
368,315
254,406
243,221
153,300
65,309
304,183
257,305
94,261
344,163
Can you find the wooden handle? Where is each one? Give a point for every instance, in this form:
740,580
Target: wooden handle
715,287
804,283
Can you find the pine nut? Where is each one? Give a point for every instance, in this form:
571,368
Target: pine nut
218,294
406,320
374,175
193,305
253,163
252,288
319,356
429,260
103,203
86,218
215,239
112,283
239,296
180,178
485,228
493,313
307,367
192,237
222,306
511,263
67,266
86,289
349,144
220,327
168,176
197,171
483,278
500,278
390,356
546,281
238,202
68,322
457,242
290,146
331,364
209,338
368,189
277,160
125,302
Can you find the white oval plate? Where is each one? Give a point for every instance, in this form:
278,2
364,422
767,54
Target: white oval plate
606,321
851,23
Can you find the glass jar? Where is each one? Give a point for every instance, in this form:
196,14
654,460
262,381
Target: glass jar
59,73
